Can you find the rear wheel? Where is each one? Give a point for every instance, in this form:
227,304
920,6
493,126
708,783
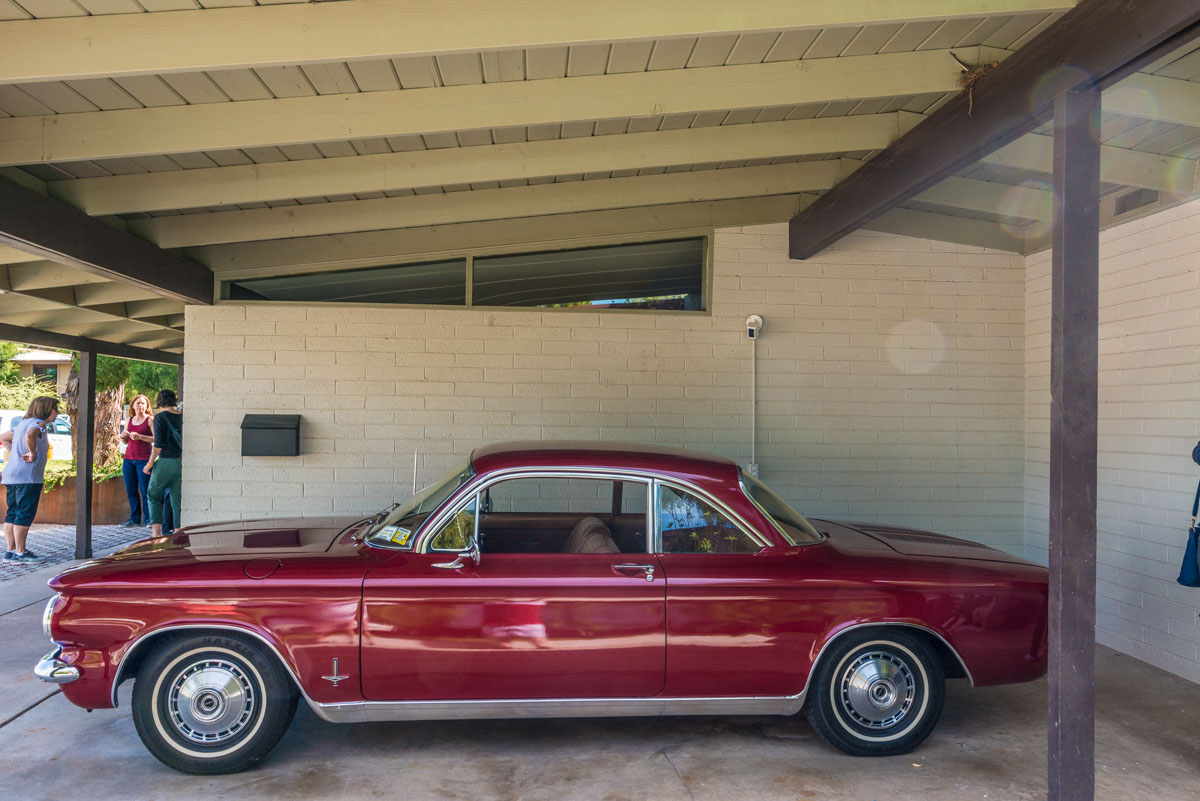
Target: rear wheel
876,692
208,704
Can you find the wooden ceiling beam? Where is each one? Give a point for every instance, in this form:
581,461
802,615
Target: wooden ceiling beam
342,251
1118,165
190,230
389,172
52,339
1153,97
947,228
35,223
302,120
990,198
74,48
47,274
13,256
1102,41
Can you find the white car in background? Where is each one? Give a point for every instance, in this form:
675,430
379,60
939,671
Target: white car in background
60,433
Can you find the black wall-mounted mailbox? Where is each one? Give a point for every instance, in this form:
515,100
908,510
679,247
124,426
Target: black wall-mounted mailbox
271,435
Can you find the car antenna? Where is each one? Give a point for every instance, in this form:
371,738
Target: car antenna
414,471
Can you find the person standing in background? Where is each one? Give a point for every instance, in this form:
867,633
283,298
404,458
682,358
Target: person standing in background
23,477
138,434
165,466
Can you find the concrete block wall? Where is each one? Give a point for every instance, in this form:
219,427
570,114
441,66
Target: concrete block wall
890,386
1149,421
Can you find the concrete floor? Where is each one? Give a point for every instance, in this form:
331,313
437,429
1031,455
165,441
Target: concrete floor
990,744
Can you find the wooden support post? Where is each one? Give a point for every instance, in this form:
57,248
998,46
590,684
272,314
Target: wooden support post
1073,389
85,443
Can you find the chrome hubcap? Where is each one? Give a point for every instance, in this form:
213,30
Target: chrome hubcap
877,689
211,701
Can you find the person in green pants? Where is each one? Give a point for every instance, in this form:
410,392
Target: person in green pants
165,466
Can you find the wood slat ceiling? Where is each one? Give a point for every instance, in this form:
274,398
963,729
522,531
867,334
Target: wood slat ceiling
232,86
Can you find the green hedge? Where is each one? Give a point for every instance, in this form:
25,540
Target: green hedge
60,470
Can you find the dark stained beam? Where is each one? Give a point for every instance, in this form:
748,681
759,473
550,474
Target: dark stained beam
50,339
85,444
1075,271
37,224
1096,43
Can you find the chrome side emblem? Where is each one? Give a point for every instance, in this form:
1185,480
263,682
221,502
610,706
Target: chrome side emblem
335,678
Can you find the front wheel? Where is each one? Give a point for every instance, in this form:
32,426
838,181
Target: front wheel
209,704
877,692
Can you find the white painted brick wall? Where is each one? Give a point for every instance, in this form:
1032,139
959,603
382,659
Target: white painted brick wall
890,386
1149,423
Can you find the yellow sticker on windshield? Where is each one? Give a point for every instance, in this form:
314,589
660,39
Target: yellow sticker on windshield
396,535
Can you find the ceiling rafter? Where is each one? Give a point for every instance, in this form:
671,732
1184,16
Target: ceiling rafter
947,228
68,236
54,339
373,248
74,48
1035,153
1103,41
349,175
303,120
488,204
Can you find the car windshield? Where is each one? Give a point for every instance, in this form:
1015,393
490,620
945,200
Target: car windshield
791,523
396,526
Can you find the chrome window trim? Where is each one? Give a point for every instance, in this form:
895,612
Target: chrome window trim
474,534
117,676
732,516
773,522
434,523
366,539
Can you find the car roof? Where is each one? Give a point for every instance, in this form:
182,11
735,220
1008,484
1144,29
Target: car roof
614,455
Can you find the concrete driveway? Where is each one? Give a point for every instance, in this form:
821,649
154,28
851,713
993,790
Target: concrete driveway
990,744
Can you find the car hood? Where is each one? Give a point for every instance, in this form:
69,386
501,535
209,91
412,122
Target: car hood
912,542
274,537
234,549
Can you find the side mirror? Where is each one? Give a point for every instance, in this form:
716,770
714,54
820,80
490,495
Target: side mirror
471,553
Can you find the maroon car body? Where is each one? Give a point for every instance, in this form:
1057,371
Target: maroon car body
384,633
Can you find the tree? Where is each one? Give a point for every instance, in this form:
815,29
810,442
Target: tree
107,416
9,371
145,378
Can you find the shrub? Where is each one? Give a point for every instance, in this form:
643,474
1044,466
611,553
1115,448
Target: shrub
20,391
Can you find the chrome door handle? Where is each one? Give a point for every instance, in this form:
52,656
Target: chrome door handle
648,569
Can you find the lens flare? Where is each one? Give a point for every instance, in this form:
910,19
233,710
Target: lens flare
1033,202
916,347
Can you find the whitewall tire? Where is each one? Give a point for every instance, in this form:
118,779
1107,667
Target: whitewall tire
211,703
876,692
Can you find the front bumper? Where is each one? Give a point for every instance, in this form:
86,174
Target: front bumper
53,670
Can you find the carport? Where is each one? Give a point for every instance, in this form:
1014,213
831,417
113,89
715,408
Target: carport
231,157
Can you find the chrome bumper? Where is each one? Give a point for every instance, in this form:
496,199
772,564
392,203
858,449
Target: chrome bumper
53,670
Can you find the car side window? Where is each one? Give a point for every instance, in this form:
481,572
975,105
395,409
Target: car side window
457,532
563,515
689,524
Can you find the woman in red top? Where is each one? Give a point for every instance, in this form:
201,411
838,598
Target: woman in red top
138,434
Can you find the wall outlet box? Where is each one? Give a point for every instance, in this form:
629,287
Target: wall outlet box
752,469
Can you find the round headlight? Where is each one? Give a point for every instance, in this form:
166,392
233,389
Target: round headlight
47,614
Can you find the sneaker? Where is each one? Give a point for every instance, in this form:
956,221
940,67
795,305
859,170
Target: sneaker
131,524
28,558
9,557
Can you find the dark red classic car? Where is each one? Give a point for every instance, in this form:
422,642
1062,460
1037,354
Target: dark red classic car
544,579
